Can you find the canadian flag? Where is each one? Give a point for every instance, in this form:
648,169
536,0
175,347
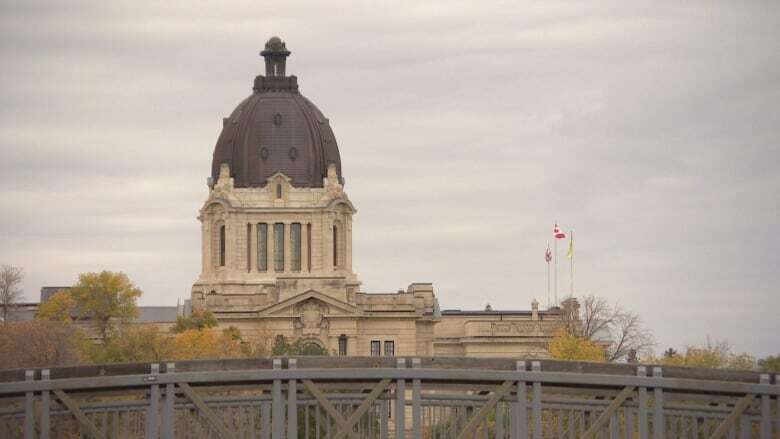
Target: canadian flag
557,232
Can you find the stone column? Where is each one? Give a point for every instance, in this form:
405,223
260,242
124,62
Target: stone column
271,239
207,263
348,243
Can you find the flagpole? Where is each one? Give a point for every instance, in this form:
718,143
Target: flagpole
556,267
572,265
548,276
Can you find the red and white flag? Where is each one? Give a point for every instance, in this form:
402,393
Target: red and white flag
557,233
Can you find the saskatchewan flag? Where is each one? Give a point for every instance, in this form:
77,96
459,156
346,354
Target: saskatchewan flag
570,253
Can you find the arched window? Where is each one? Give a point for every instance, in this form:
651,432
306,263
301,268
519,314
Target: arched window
222,246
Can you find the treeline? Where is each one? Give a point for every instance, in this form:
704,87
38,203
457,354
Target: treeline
604,332
93,322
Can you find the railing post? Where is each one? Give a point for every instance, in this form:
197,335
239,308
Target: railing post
154,401
400,403
384,418
45,404
536,402
777,421
29,408
278,405
416,406
168,421
519,408
659,425
292,403
766,414
641,371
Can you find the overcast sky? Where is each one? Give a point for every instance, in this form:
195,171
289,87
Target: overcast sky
465,129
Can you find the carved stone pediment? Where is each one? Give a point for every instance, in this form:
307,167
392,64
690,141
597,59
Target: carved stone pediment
311,318
305,302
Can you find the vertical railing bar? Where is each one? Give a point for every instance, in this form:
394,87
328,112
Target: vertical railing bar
416,414
292,404
29,408
384,418
45,424
519,408
536,366
154,397
168,403
400,403
659,426
766,414
499,420
278,405
641,371
628,415
265,420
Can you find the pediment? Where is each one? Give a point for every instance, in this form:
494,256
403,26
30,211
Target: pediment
291,306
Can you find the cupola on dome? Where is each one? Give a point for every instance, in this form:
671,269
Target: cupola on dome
276,129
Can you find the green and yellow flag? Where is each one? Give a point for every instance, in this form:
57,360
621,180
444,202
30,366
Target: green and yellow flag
570,253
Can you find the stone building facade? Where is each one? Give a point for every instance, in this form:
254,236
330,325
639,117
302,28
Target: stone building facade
277,245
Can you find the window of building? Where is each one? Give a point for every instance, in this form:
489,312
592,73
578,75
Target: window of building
249,247
262,247
308,247
389,348
221,246
278,191
342,345
335,246
376,348
295,243
279,246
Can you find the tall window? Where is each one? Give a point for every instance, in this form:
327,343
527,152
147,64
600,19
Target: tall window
335,246
376,348
308,247
279,246
295,250
389,348
222,246
342,345
278,191
262,247
248,247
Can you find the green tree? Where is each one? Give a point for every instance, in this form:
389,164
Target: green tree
567,346
106,298
59,308
770,364
198,319
710,356
299,347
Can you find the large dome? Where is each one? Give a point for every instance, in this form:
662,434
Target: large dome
276,129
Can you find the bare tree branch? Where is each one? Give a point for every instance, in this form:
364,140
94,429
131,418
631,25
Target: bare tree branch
10,293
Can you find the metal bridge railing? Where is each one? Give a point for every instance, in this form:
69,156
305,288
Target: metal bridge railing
387,398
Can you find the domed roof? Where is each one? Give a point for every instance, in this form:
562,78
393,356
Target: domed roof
276,129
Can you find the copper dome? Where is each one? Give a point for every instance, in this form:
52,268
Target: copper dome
276,129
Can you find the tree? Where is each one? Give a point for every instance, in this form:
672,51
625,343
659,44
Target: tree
297,348
568,346
106,298
770,364
199,319
620,330
10,293
59,308
136,344
710,355
40,343
194,344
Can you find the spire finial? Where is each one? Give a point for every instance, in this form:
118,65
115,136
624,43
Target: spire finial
275,55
